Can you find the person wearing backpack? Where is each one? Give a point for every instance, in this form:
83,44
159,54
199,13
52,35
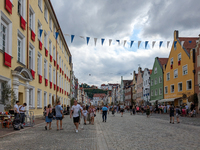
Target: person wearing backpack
171,113
104,113
49,117
178,112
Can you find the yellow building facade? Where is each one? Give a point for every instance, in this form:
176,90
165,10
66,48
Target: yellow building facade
34,57
179,71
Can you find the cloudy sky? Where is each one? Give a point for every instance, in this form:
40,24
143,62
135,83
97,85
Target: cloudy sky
146,20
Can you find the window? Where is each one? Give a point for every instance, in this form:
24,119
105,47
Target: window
151,92
60,83
166,90
46,13
155,70
155,81
50,101
39,62
40,4
54,76
180,87
50,49
160,91
5,34
31,19
60,62
168,76
39,99
58,79
45,40
20,7
54,53
21,47
45,69
172,88
30,58
50,72
189,85
156,92
39,28
57,58
179,57
152,82
50,22
185,70
176,73
30,97
171,61
54,31
160,79
45,98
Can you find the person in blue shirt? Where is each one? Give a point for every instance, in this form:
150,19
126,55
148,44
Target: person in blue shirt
104,113
59,114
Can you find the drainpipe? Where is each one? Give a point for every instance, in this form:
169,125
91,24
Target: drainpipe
27,35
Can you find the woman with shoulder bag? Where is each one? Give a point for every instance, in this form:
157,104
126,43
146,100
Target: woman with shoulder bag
49,117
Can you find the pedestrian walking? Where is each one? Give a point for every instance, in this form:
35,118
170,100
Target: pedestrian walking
134,107
171,113
142,108
22,114
122,109
49,116
147,111
137,109
59,115
16,110
131,109
178,112
75,109
151,109
85,113
92,112
113,110
104,113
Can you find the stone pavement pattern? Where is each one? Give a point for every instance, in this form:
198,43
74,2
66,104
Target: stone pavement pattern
127,132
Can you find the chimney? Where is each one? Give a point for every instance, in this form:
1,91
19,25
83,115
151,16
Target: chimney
175,34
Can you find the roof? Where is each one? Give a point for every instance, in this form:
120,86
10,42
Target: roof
127,82
163,61
150,71
190,42
103,85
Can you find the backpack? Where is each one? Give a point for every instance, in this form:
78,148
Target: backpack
50,115
179,112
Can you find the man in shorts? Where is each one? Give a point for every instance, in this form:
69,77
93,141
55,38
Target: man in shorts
122,109
59,115
171,113
75,109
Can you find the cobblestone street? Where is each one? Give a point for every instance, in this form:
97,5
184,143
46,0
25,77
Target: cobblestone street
128,132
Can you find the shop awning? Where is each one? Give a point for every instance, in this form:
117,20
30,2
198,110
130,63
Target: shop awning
153,101
167,100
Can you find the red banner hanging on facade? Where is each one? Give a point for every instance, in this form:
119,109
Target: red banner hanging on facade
54,87
51,58
46,82
8,6
40,45
32,36
40,79
65,75
7,59
23,23
60,70
46,52
62,91
65,92
57,88
54,63
57,66
50,84
33,74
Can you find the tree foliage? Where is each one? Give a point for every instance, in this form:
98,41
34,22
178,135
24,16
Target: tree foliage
91,92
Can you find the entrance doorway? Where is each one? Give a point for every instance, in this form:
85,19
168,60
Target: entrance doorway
20,98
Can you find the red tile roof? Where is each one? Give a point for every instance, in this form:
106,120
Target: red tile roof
163,61
188,46
150,71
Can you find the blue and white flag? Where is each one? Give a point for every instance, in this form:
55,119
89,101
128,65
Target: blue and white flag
72,38
102,40
131,44
87,38
41,32
57,33
160,44
146,43
175,44
118,42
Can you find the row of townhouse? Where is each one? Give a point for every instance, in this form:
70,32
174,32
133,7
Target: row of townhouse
175,79
33,62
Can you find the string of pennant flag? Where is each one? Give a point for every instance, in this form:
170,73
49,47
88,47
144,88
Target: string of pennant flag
124,42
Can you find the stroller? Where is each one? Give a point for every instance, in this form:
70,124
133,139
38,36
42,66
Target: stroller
16,123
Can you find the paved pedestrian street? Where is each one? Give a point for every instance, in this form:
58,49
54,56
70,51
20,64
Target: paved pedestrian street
128,132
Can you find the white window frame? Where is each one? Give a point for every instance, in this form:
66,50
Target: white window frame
171,88
58,83
54,53
45,98
175,73
160,91
50,22
39,66
54,76
155,81
152,82
40,4
57,58
39,98
169,76
179,88
156,92
166,91
8,24
160,79
151,92
31,19
50,47
184,70
21,37
171,61
45,69
50,98
179,57
54,30
46,13
45,40
60,62
155,70
32,48
50,72
39,26
23,9
187,84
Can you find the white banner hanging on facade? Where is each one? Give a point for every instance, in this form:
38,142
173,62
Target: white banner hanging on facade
153,43
110,40
95,41
139,42
82,37
168,43
182,42
124,42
